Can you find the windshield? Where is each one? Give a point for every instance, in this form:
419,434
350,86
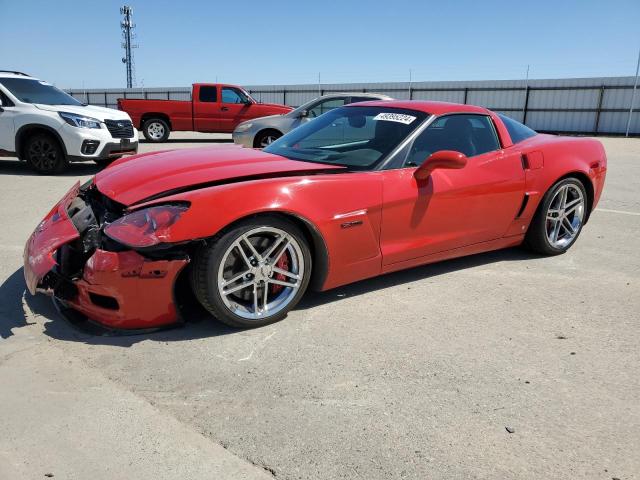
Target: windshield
35,91
355,137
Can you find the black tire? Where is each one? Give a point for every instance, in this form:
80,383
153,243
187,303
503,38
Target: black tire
43,153
536,238
266,137
207,261
156,130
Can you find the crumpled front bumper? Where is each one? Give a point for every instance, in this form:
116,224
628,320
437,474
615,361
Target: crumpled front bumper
118,290
124,290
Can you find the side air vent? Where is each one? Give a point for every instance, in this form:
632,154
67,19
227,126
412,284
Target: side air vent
525,161
525,200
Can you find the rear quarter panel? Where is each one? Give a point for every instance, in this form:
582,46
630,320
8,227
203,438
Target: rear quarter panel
325,202
550,158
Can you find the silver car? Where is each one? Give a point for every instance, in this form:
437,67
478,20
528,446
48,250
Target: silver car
260,132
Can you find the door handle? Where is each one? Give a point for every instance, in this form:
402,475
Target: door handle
224,109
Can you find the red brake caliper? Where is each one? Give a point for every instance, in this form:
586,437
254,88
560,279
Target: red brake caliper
283,263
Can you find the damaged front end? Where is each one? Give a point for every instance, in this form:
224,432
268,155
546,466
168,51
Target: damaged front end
116,285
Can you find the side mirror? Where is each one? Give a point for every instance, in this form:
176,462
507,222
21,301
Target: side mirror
304,114
442,159
248,102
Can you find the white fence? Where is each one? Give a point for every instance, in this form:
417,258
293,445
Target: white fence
572,105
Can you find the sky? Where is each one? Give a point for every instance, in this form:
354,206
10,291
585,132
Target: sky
77,44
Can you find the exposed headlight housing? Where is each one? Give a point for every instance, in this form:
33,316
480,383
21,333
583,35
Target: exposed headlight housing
243,127
146,227
80,121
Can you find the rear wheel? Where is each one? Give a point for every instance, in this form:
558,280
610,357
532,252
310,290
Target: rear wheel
156,130
266,138
559,219
254,274
44,154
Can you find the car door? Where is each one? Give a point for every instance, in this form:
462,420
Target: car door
454,208
235,107
7,125
206,109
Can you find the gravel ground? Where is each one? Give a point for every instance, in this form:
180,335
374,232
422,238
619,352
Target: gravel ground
499,365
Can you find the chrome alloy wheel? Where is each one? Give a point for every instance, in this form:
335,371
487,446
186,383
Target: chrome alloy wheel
267,140
155,130
565,216
260,273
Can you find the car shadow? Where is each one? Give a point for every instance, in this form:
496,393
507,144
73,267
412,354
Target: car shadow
19,308
16,167
313,299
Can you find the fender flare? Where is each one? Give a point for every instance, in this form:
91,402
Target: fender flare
24,130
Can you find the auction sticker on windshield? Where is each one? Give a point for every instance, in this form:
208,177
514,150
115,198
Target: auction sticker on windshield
395,117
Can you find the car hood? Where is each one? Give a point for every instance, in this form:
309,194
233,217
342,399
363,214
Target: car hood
100,113
153,175
276,106
277,121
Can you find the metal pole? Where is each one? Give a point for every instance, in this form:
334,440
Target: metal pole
127,25
410,93
319,89
633,95
526,87
599,110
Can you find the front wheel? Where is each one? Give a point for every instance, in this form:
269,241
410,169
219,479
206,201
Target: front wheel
254,274
45,155
559,219
266,138
156,130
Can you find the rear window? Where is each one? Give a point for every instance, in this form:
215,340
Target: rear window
517,131
208,94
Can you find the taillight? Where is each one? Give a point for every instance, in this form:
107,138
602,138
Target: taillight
146,227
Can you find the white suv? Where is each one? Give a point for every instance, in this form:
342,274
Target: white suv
49,128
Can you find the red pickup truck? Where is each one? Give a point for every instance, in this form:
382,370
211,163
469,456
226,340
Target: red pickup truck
214,108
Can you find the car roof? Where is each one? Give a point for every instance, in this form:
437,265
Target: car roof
434,108
13,74
373,95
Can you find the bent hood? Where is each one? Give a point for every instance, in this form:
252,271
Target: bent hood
134,179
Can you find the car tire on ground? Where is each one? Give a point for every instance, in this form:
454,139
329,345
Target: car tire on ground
558,221
253,274
156,130
44,154
266,138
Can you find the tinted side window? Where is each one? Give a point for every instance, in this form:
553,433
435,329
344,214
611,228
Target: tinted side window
5,100
517,131
470,134
208,94
325,106
361,99
232,95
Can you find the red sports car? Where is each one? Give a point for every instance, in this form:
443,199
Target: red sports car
363,190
